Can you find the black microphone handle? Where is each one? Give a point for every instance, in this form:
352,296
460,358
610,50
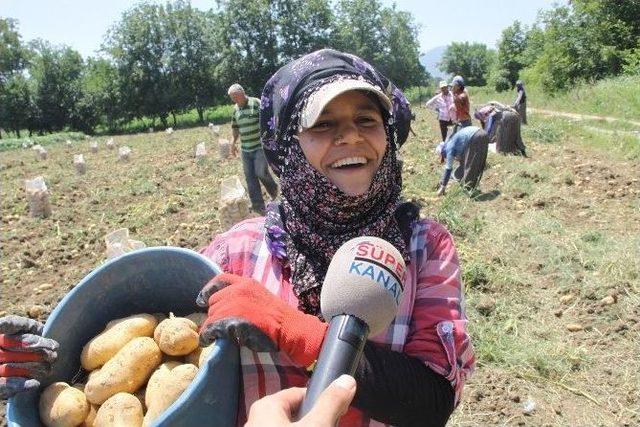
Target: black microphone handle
340,354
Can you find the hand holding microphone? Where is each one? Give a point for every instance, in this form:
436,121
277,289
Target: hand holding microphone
360,297
280,409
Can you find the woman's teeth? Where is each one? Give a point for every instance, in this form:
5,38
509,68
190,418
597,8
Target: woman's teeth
349,161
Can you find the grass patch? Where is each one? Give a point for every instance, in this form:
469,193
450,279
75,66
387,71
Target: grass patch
512,338
545,131
592,237
476,275
44,140
450,213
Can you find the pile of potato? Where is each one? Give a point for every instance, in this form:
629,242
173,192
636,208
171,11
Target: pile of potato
138,366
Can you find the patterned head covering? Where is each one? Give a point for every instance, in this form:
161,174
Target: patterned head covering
314,217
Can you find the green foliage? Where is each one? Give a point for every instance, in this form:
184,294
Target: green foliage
13,54
55,76
499,78
138,45
191,118
383,36
400,57
476,275
302,26
586,41
546,131
470,60
249,43
632,62
509,60
16,100
101,89
15,94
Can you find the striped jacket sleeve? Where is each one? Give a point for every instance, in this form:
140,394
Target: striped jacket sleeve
438,328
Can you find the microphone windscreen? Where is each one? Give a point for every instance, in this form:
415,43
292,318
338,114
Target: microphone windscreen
364,279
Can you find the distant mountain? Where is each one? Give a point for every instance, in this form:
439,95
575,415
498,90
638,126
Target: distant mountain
431,59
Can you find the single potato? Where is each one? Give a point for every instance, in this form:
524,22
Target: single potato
62,405
126,372
176,336
120,410
165,386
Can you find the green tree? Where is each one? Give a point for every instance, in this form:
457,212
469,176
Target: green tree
385,37
14,90
13,54
358,29
191,57
509,60
98,98
138,45
401,60
587,40
470,60
248,41
302,26
55,74
15,104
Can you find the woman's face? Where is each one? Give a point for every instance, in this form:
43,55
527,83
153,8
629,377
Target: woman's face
347,142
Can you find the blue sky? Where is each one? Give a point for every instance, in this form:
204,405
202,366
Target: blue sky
82,24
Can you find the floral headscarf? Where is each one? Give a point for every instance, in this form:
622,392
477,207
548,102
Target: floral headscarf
315,217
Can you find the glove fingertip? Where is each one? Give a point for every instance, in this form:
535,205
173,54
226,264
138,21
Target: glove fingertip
208,335
200,301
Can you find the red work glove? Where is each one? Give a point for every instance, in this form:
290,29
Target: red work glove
24,355
244,311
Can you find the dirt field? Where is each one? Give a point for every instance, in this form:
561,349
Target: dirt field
550,252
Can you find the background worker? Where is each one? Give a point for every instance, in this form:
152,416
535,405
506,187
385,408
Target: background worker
469,146
441,104
520,104
461,104
245,126
502,123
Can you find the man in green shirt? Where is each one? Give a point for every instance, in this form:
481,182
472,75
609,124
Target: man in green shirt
245,126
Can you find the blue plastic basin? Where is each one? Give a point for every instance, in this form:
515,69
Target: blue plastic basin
151,280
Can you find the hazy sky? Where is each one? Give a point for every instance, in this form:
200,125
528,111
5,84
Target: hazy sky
82,24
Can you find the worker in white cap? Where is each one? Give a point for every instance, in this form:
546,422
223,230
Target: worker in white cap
441,103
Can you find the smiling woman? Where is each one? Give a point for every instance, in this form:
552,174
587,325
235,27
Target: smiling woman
331,126
347,141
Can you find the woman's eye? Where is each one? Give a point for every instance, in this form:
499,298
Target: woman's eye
367,121
320,126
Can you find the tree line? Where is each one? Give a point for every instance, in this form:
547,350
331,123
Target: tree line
585,40
159,60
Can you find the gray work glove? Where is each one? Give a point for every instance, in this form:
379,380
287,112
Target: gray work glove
25,355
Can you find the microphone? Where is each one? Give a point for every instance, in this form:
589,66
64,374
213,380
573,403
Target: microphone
360,296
